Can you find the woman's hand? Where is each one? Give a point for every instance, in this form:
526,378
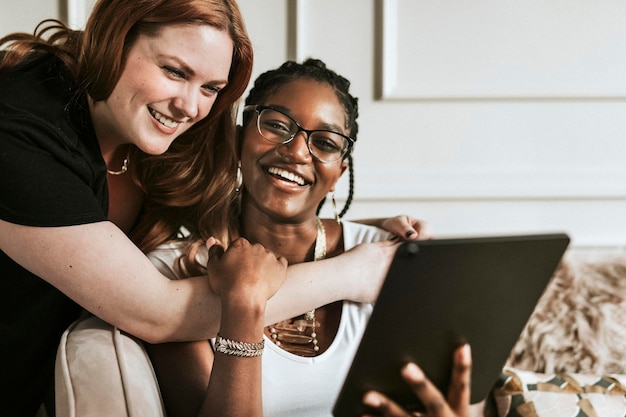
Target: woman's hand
408,228
456,404
244,272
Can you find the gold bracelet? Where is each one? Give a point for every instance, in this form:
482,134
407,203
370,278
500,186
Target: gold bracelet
242,349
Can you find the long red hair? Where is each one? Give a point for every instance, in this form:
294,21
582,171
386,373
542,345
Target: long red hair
191,184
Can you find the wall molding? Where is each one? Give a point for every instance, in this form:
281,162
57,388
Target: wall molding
385,183
296,29
78,12
545,54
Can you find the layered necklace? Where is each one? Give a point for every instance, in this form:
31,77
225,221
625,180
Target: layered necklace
299,334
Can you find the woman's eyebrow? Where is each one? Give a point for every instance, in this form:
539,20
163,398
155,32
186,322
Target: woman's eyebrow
333,128
324,126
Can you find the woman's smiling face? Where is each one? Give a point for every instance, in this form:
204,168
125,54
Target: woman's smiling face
284,180
169,82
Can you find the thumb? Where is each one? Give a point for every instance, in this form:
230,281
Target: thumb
216,249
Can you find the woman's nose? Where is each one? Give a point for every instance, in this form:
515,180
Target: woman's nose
297,148
187,103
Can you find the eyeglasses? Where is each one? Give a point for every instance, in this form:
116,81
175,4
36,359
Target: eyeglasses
277,127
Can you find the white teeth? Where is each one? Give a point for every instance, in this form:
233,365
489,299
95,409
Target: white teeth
164,120
286,175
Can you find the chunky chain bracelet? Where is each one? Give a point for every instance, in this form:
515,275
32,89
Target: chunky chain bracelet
242,349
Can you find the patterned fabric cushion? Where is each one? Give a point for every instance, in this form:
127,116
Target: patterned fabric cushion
529,394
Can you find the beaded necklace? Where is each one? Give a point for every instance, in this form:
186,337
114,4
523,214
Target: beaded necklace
299,334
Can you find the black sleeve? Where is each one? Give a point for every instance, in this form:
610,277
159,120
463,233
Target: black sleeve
47,178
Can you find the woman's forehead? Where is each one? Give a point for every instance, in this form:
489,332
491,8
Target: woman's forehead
304,98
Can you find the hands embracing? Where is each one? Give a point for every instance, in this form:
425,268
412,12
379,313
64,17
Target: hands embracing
408,228
244,272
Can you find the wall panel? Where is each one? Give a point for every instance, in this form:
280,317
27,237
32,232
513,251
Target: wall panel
494,49
482,116
24,15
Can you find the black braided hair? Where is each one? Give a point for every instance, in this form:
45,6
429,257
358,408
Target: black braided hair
269,82
351,187
350,192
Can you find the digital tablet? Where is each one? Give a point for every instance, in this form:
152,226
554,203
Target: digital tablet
440,293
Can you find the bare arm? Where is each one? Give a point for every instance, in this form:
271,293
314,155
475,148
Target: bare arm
405,227
355,275
196,381
97,266
235,384
183,370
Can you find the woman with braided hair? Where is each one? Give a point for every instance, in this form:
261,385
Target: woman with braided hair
315,70
299,129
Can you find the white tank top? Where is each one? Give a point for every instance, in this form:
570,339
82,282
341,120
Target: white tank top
295,386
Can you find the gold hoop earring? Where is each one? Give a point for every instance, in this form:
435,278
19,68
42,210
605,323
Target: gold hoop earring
239,180
337,219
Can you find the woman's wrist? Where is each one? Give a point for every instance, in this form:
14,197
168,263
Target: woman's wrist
368,268
236,348
243,322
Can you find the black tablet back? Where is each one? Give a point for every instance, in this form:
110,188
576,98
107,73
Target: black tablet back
439,293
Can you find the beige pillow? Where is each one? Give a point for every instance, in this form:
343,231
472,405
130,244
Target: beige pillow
101,371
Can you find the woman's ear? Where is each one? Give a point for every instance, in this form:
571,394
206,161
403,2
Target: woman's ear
344,166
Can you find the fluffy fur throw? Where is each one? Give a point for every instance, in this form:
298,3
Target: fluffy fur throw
579,324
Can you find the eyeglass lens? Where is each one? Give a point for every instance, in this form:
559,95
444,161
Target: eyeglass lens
325,145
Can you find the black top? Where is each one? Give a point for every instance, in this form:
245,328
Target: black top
51,174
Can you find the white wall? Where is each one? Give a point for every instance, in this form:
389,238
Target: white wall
23,15
482,117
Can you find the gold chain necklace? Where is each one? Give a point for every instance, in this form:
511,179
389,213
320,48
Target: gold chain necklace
299,335
124,165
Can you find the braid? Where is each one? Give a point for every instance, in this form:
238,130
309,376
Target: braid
351,189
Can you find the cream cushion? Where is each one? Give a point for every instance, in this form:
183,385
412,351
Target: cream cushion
101,371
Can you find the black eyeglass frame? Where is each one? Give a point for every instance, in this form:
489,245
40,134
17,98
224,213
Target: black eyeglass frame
258,108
